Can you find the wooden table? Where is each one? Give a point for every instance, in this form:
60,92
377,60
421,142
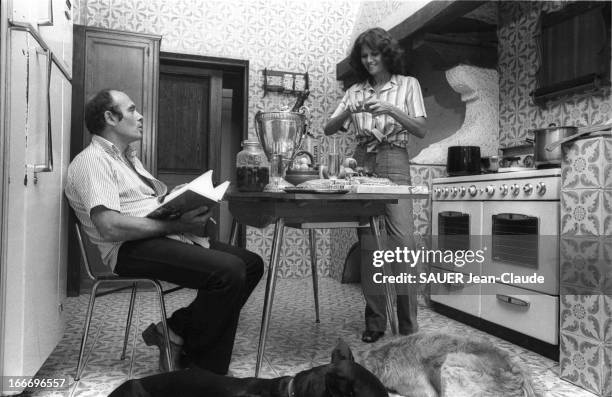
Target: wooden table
308,211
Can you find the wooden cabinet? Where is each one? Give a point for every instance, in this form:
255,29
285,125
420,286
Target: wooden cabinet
573,50
124,61
120,60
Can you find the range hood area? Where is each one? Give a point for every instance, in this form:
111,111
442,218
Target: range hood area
447,33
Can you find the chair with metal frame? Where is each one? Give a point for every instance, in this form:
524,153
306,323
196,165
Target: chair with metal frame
120,284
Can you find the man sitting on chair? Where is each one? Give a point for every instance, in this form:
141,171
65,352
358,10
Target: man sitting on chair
111,193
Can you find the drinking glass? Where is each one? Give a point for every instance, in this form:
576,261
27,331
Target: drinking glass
334,160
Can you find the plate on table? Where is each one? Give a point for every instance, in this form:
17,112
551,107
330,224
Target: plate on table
313,190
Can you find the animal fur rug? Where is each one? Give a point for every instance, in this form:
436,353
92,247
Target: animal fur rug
444,365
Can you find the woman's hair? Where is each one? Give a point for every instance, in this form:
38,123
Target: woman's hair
380,40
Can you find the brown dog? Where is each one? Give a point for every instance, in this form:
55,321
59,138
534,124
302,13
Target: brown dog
440,364
342,378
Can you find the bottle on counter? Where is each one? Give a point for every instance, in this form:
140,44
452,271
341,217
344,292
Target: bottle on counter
299,102
311,144
252,167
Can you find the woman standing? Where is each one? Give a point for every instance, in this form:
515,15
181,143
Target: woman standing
383,109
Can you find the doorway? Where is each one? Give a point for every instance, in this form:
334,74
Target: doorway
189,120
202,119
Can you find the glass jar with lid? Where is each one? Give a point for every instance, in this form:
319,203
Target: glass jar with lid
252,167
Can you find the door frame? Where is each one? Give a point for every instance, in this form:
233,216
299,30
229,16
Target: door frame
236,66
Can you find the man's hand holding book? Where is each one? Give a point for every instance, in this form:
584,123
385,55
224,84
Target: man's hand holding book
197,219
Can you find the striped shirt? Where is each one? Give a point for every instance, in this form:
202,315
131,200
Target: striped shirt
403,92
101,176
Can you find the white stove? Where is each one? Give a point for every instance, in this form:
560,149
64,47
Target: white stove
513,217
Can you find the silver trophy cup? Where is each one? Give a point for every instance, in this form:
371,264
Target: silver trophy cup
280,134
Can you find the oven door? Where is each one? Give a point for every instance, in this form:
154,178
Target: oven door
457,225
522,239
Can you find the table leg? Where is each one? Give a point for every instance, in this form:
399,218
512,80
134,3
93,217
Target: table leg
313,269
389,289
277,243
234,233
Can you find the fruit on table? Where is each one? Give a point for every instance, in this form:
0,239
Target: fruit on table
350,162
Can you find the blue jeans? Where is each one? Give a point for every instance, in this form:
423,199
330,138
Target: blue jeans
389,162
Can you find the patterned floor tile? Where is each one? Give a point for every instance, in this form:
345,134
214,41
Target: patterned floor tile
295,341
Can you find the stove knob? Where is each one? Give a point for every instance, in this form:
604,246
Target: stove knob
462,191
490,190
446,190
515,189
541,188
472,190
528,188
455,191
503,189
437,191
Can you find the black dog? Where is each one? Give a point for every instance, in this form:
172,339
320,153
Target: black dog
342,378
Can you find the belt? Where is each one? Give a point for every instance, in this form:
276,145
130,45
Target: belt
371,143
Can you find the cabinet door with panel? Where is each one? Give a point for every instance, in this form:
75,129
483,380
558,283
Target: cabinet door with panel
119,60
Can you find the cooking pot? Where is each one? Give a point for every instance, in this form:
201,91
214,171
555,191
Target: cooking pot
463,160
489,164
542,137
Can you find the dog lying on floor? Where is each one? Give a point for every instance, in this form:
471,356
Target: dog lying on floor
439,364
342,378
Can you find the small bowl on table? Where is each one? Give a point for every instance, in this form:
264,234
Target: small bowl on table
297,176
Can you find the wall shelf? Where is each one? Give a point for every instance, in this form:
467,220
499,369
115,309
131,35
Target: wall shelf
285,82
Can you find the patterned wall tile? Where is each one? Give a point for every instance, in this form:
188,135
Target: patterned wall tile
437,172
420,175
606,213
607,163
607,318
585,262
341,242
600,108
583,164
371,13
581,212
294,258
607,370
421,210
582,315
581,362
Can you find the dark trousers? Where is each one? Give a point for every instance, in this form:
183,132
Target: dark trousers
224,276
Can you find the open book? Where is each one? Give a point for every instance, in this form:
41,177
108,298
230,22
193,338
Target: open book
197,193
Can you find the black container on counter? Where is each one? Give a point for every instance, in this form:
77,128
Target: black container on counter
463,160
252,168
